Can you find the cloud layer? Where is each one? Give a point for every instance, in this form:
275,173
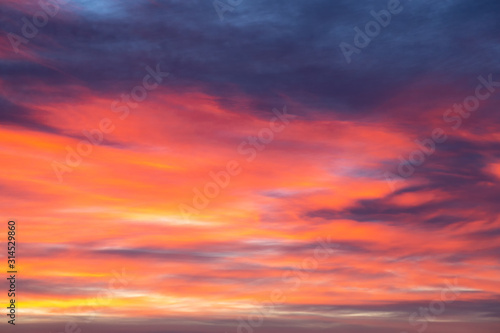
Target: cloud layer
179,203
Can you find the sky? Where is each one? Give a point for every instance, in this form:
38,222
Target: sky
241,166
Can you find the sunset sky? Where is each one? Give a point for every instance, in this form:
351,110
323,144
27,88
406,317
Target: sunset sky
251,166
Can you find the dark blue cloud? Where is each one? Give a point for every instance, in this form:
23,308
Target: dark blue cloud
267,49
